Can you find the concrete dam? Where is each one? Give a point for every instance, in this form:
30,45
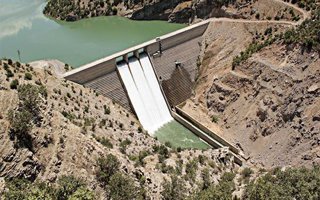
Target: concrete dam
152,79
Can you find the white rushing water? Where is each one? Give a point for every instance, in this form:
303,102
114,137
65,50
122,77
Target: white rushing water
134,95
155,88
145,93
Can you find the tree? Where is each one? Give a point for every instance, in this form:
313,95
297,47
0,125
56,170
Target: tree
68,185
68,188
14,84
121,187
222,191
82,193
174,189
297,184
20,126
28,113
108,166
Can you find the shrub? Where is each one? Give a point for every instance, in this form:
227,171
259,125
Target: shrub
121,187
300,183
104,141
68,187
68,95
222,191
9,73
191,170
174,189
139,129
22,119
28,76
205,174
246,172
108,166
24,189
10,62
14,84
215,119
20,126
141,156
68,115
124,144
66,67
106,110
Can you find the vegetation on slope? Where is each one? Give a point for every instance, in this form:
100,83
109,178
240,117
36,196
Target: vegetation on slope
68,187
297,183
72,10
291,183
307,35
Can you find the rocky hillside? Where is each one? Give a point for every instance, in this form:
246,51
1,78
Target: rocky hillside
60,133
181,11
259,88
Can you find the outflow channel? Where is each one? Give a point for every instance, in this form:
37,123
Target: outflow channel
145,93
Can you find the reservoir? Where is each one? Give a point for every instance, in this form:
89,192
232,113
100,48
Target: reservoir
24,28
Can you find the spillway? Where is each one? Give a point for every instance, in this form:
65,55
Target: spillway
134,95
144,92
153,83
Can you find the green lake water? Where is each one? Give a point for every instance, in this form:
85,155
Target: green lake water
23,27
179,136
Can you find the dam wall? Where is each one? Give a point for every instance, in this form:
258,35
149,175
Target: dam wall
181,45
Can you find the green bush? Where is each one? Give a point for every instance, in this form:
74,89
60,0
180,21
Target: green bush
9,73
14,84
191,170
300,183
106,110
121,187
124,144
25,189
246,172
215,119
68,188
141,156
26,115
222,191
108,166
28,76
173,189
104,141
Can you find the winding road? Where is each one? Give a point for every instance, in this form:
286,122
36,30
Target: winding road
305,15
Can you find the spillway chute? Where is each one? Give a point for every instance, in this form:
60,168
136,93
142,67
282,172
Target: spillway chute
144,92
